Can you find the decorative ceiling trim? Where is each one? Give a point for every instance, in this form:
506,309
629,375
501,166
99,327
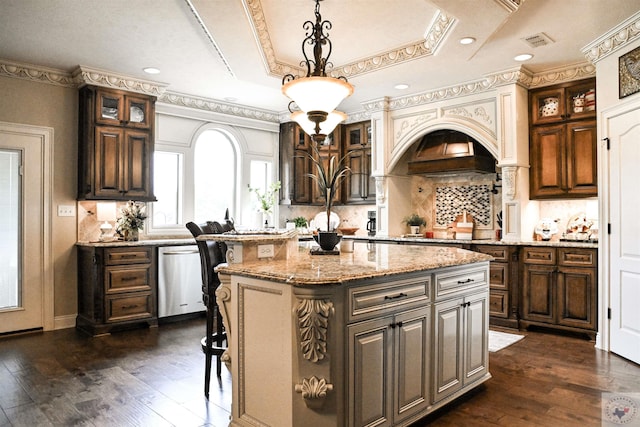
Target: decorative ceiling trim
568,73
84,75
200,103
613,40
521,76
510,5
36,73
435,34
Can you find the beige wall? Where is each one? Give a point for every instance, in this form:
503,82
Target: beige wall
52,106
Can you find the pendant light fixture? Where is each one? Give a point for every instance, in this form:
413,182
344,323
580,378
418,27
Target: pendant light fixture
317,95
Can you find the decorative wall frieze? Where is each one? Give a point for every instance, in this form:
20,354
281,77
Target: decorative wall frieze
314,390
206,104
509,181
405,125
482,113
92,76
36,74
618,37
381,183
313,323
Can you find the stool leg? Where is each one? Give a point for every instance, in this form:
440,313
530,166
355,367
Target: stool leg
208,351
219,339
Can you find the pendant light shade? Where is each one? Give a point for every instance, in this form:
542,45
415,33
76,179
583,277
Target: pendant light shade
316,94
326,127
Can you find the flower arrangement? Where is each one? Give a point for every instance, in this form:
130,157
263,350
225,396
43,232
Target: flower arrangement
132,219
268,198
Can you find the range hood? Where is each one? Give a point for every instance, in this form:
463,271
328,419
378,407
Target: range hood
450,152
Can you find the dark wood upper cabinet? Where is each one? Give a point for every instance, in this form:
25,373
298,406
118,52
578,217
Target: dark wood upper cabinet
359,186
563,141
116,143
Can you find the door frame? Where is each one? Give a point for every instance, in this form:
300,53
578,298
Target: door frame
45,134
603,340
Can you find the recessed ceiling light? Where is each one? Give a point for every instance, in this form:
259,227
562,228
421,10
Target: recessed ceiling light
467,40
401,86
523,57
151,70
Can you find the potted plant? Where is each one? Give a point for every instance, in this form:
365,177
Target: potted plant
415,221
267,200
300,223
328,177
131,220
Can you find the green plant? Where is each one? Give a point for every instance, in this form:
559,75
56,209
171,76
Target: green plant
300,221
328,177
414,220
268,198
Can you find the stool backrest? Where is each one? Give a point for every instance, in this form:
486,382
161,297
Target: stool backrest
211,254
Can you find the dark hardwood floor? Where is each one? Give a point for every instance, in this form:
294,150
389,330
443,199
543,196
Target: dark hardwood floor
153,377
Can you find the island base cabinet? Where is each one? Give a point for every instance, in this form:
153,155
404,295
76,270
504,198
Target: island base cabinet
461,328
389,368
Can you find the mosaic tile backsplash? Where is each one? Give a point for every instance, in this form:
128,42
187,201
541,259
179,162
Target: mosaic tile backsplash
453,200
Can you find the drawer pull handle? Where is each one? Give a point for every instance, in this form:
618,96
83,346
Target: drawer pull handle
462,282
129,256
400,295
128,279
127,307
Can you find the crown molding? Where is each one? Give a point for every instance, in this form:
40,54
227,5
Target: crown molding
567,73
510,5
84,75
615,39
206,104
36,73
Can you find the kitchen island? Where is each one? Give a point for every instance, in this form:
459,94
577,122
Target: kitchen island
380,336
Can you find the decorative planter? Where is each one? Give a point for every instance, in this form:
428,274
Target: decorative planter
130,235
327,239
415,229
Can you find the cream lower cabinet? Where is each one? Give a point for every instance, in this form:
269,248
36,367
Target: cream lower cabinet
389,368
461,328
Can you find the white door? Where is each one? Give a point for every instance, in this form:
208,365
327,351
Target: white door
623,131
22,229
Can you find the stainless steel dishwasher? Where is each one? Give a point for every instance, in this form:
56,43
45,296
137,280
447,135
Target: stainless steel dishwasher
179,280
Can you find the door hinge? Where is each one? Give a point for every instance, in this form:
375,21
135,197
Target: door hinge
609,313
609,228
608,141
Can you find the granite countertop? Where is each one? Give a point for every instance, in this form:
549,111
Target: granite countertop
424,240
366,262
146,242
254,236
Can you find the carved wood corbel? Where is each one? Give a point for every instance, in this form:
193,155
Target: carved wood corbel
314,391
313,323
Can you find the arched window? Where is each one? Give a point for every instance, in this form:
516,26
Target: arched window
214,172
197,182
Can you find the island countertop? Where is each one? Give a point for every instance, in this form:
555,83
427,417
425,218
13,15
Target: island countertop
366,262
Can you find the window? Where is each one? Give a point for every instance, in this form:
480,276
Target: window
214,176
167,185
193,183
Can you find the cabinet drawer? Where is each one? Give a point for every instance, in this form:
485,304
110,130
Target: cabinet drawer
534,255
129,307
134,278
577,257
386,297
498,303
457,281
128,255
498,275
500,253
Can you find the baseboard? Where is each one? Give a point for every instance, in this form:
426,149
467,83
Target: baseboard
64,322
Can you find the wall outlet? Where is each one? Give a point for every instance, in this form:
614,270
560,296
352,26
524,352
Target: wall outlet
66,210
265,251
